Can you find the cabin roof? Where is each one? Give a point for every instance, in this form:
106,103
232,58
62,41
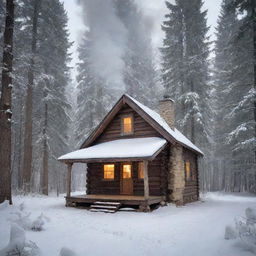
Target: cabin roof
152,117
117,150
175,133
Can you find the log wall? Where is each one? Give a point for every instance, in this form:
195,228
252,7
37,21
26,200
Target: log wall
113,130
191,190
157,178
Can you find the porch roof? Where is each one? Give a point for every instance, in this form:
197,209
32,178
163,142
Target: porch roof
118,150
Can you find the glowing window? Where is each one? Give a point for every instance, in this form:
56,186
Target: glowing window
127,171
109,171
141,170
127,125
188,170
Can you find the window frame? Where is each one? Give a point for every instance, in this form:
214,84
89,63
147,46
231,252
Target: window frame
103,167
142,170
122,125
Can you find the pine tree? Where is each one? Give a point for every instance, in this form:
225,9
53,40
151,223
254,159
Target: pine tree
235,133
52,115
186,71
173,63
27,158
241,134
185,67
6,105
224,73
90,91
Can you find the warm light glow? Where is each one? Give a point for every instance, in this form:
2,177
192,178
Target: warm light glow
127,171
188,171
127,125
109,171
141,170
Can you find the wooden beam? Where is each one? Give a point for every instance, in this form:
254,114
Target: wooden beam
69,165
106,160
146,187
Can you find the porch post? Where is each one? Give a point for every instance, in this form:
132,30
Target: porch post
69,165
146,188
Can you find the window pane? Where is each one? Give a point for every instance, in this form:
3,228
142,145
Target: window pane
127,171
127,125
141,170
109,171
188,171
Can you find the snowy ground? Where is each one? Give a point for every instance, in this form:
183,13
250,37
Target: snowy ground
195,229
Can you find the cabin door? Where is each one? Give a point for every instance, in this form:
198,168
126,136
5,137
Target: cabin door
126,179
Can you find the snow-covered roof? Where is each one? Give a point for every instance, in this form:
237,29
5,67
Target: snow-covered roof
176,134
123,148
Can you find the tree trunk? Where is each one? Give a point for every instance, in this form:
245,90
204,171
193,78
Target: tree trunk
5,106
193,139
45,153
20,148
27,159
254,62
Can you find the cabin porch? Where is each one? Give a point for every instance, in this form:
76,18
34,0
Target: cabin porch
140,202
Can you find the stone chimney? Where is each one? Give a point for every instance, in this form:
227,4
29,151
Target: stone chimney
167,111
176,176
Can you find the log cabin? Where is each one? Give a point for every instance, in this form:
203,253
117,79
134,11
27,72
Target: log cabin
136,157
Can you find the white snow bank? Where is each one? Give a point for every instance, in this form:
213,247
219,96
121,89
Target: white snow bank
67,252
176,134
169,230
4,205
137,147
225,197
16,243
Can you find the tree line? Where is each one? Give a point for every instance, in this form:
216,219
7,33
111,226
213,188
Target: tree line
212,83
215,96
40,109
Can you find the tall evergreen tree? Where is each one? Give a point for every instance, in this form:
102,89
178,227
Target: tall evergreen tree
90,102
21,62
27,158
52,115
185,67
6,105
224,73
173,62
186,70
234,83
51,75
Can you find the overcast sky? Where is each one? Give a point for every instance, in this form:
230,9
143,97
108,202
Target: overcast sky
153,9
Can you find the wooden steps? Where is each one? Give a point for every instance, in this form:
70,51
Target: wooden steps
107,207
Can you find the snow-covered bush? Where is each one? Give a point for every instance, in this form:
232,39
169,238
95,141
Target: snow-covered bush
67,252
38,223
230,233
22,206
250,215
245,230
23,219
17,245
